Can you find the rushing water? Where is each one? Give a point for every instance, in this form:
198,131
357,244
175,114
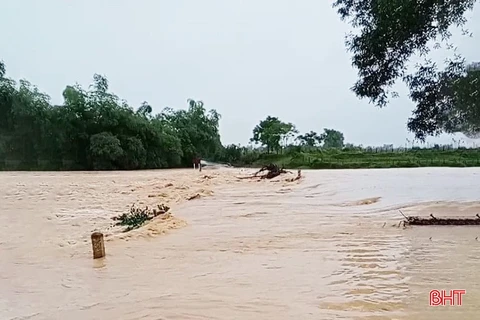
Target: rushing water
326,248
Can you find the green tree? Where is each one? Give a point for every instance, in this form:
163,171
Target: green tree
448,101
271,132
332,139
197,128
133,155
352,147
231,154
105,151
26,122
390,33
310,139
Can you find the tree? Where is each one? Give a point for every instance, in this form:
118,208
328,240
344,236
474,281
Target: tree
197,128
231,153
310,139
271,131
447,101
332,139
390,33
352,147
105,149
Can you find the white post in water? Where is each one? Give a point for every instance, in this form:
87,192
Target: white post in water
97,245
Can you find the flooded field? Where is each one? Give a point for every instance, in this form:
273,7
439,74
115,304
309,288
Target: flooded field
325,247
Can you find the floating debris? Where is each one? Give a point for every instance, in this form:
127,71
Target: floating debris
272,171
137,216
434,221
419,221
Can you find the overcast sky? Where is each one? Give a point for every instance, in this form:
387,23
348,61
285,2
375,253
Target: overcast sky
246,59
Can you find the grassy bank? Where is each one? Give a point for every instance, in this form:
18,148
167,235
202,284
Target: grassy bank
338,159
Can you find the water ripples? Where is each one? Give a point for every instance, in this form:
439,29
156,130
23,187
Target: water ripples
328,248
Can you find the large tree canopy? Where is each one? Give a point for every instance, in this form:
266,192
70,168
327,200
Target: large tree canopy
271,131
393,31
332,139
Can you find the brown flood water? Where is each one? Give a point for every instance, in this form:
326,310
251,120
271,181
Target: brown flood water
327,247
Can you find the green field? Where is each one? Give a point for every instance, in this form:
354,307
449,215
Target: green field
337,159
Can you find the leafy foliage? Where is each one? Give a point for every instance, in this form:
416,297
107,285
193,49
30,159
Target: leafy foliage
138,217
310,139
446,101
94,129
231,154
271,131
390,33
332,139
196,128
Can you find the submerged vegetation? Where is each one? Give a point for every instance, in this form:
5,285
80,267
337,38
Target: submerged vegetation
95,130
137,217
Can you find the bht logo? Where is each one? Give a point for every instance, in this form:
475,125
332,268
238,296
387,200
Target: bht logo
440,297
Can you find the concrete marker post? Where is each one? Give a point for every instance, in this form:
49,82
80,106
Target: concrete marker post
98,245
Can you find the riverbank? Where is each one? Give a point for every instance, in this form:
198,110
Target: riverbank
339,159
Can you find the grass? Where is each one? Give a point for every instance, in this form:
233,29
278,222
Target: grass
338,159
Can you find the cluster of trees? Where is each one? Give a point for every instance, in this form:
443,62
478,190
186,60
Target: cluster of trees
274,134
94,129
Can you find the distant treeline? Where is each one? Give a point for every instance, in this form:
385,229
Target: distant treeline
95,130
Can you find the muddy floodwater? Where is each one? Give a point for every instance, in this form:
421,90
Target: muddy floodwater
325,247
